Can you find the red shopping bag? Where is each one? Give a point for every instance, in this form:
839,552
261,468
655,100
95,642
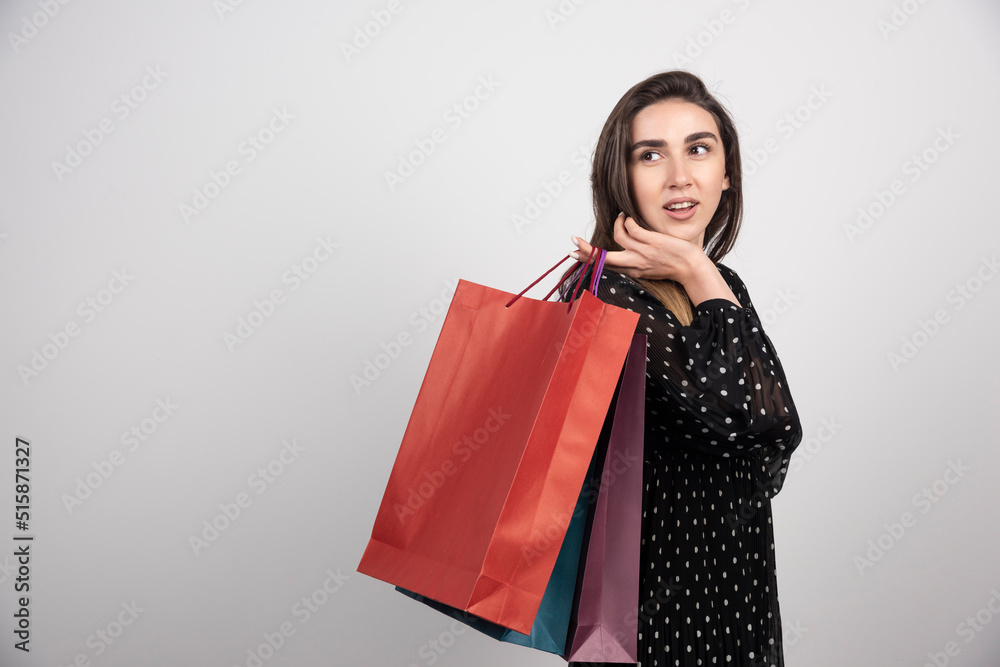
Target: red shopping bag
496,450
604,625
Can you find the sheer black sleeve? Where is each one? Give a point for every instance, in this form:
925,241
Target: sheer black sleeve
719,377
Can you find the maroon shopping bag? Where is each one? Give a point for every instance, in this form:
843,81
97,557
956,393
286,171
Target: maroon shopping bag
604,626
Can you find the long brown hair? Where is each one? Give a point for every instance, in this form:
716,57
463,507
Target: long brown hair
612,193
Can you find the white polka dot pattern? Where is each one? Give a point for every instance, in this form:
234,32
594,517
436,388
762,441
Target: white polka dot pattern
720,428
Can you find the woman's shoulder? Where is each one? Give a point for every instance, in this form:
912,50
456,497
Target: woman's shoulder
735,283
615,282
727,272
622,290
731,276
615,279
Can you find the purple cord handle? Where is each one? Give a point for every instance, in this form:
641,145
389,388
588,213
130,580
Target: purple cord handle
598,268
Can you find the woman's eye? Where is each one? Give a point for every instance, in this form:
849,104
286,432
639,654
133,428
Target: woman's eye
647,156
704,149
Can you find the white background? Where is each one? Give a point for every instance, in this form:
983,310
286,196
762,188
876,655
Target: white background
836,304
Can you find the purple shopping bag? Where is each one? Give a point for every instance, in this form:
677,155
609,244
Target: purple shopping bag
604,626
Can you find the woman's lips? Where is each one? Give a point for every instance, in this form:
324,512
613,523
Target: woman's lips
681,213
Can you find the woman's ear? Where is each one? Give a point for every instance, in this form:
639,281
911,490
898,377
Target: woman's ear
725,183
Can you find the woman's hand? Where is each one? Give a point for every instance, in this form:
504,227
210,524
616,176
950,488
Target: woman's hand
657,256
647,254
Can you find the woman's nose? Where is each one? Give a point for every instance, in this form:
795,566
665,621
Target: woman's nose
678,174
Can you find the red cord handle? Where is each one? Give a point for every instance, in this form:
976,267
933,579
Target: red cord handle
575,279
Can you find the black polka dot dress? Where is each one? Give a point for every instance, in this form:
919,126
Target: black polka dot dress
720,428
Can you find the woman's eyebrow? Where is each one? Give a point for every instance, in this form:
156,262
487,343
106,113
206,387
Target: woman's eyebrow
660,143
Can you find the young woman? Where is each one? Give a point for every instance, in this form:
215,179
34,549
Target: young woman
720,421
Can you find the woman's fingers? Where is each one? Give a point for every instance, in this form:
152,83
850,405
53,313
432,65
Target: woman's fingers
616,259
639,234
628,261
640,256
583,251
620,260
636,242
631,236
582,245
623,238
647,253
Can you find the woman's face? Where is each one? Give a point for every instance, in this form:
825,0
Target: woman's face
677,157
